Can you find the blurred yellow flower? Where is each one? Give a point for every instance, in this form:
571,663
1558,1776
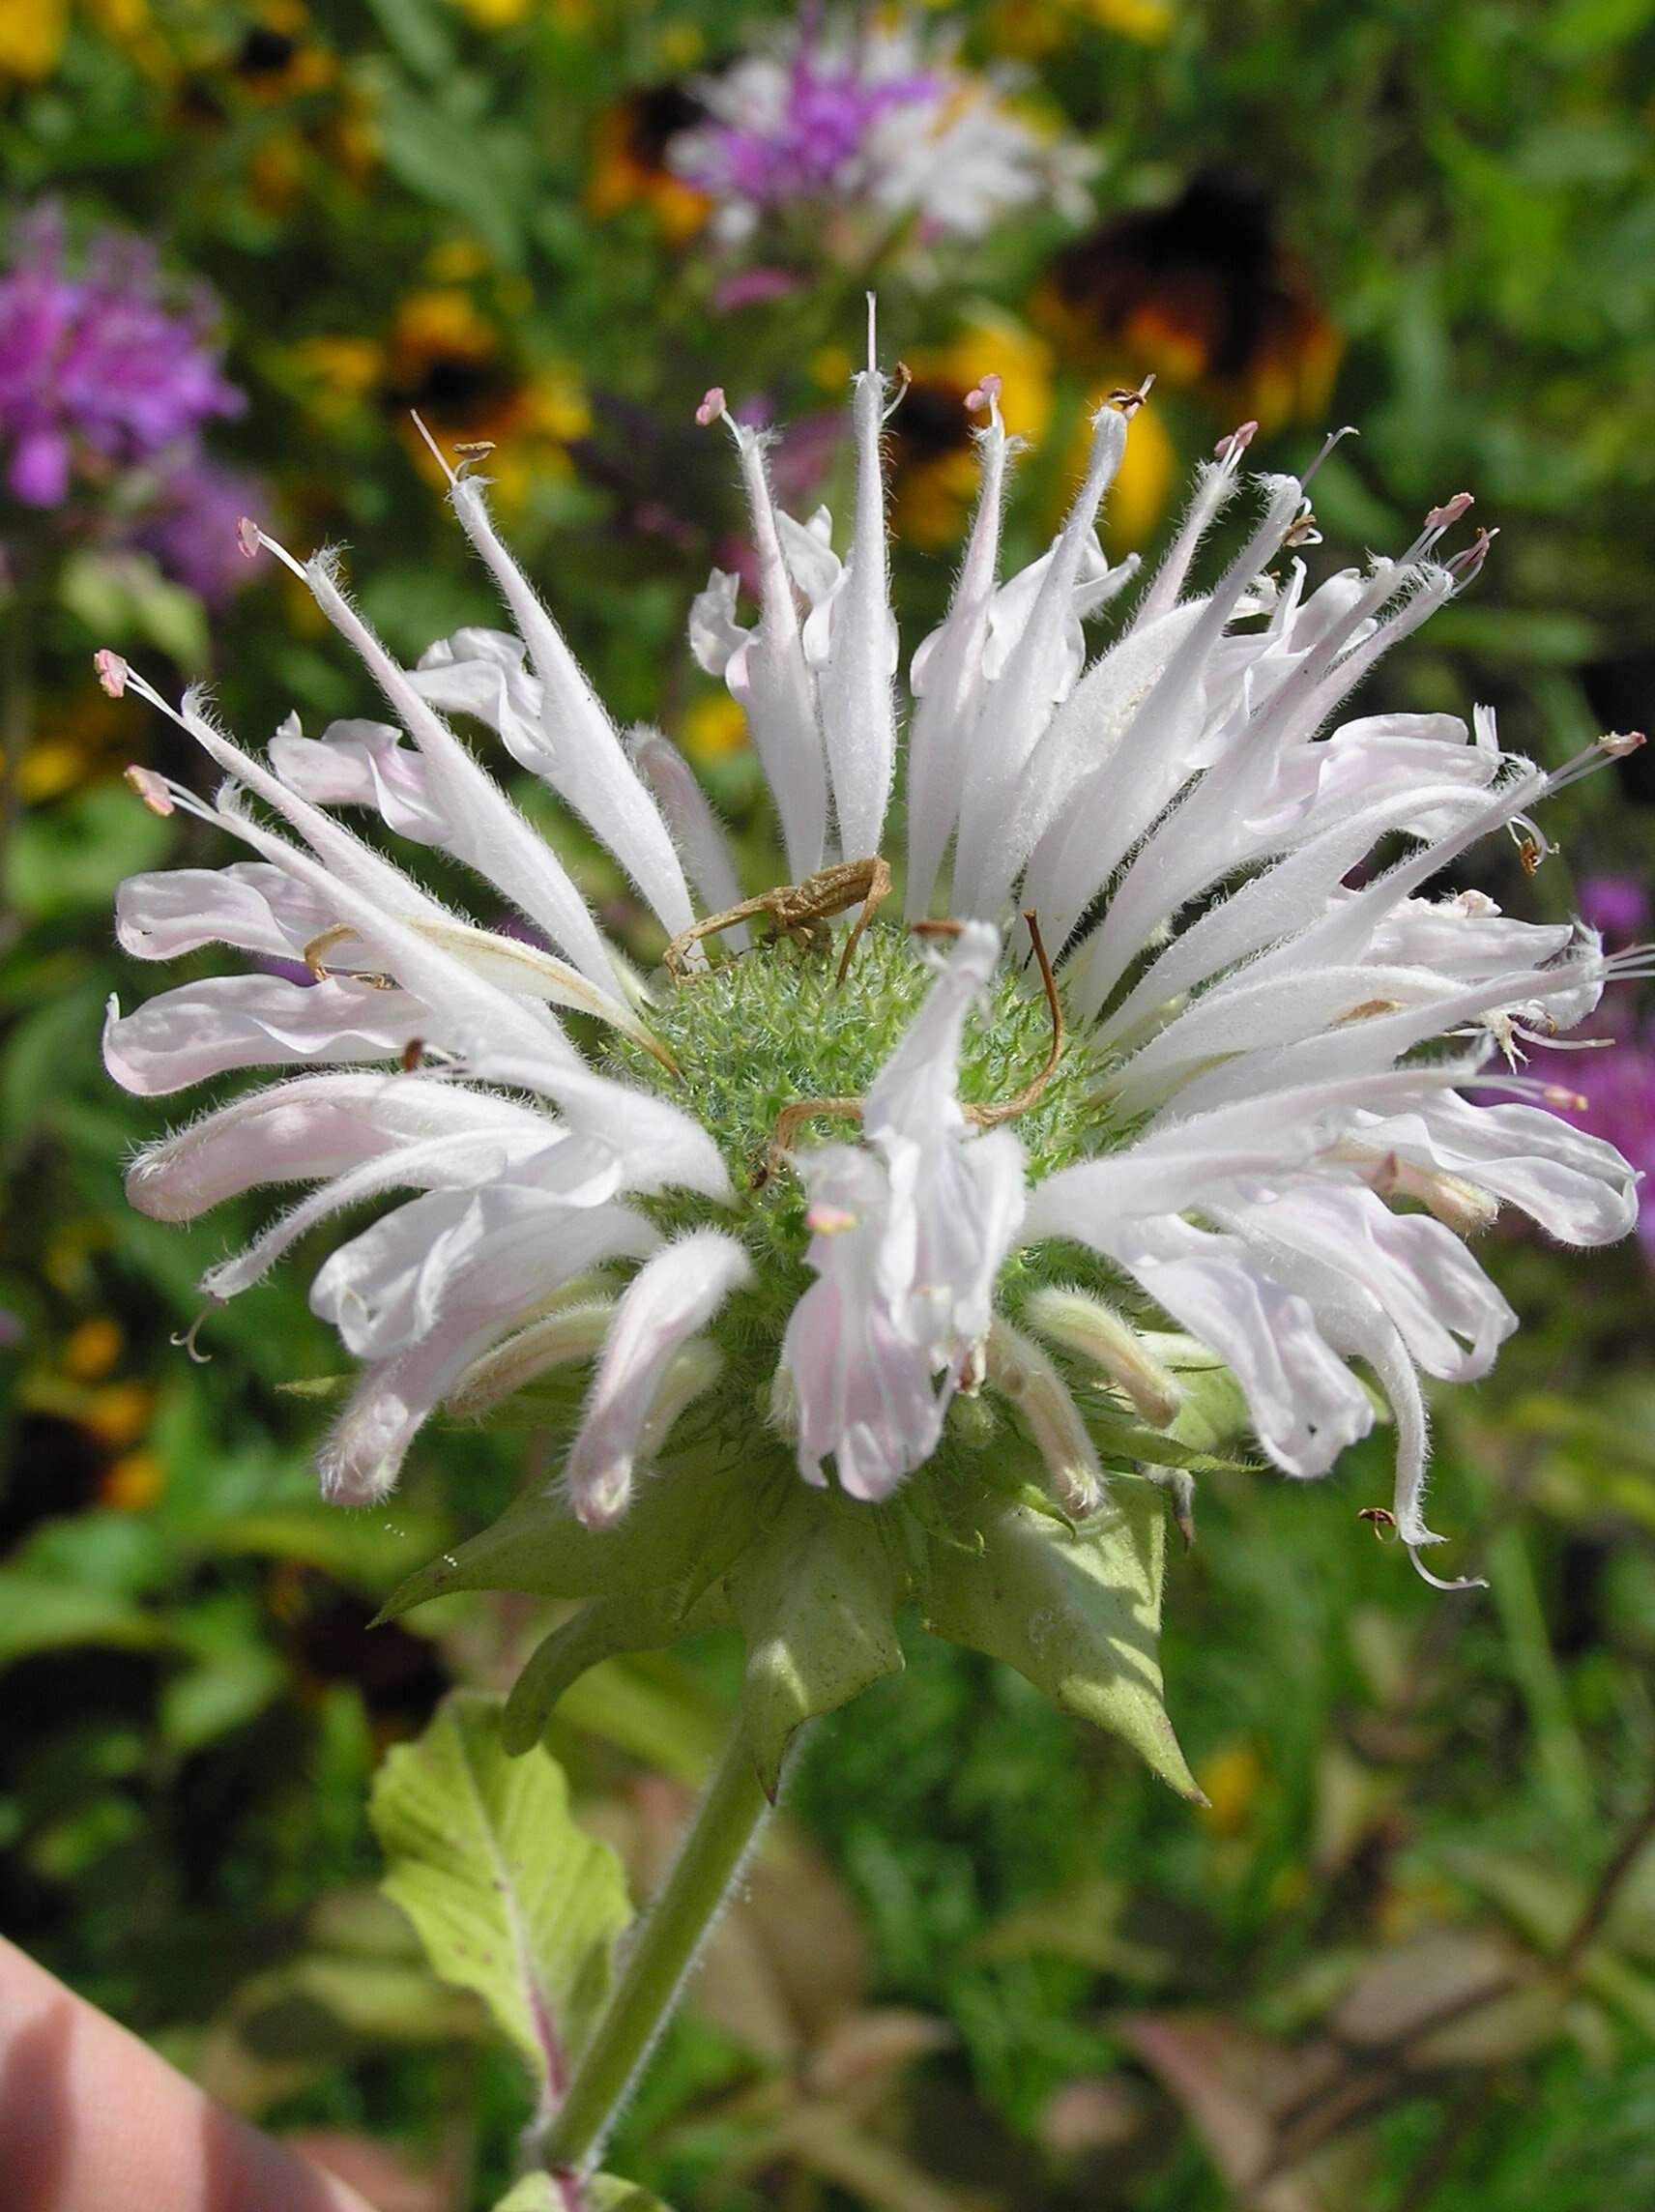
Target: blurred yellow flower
1033,29
1203,291
133,1482
1232,1778
494,14
92,1348
32,33
629,162
935,473
713,727
119,1412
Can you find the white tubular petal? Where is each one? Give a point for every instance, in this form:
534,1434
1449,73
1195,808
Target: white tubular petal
592,771
360,764
467,1013
1018,704
859,714
864,1393
1367,1046
918,1084
1343,1245
561,1338
527,972
1243,1015
316,1127
696,1366
661,1148
495,1251
1150,764
1305,1403
248,905
1095,1333
1235,815
1082,736
347,860
1267,909
1215,486
204,1028
700,834
479,823
672,1297
946,681
1577,1187
581,1173
1021,1370
769,675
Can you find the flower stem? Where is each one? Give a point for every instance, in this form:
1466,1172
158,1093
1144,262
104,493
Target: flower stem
724,1829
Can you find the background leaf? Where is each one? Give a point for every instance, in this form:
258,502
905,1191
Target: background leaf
509,1897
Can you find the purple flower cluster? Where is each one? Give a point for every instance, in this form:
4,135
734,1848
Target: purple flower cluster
1619,1082
106,369
829,108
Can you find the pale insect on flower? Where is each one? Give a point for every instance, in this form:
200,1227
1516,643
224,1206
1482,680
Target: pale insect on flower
1048,1196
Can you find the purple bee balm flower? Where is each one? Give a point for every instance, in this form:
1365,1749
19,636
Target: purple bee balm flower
1617,1086
881,117
102,367
192,528
1615,905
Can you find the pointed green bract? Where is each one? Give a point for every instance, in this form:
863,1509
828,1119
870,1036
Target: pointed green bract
816,1595
604,1629
590,2192
684,1527
1077,1609
509,1897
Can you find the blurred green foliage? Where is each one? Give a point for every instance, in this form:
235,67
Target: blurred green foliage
1028,1955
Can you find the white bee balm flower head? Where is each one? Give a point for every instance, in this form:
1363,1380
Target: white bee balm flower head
1240,1104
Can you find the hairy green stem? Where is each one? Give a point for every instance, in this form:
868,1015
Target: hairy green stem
724,1830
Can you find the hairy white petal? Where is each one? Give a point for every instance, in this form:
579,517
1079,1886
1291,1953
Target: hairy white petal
673,1294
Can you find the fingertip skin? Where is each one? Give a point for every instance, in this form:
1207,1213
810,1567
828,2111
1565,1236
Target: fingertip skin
93,2120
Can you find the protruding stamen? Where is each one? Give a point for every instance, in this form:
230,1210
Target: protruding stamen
1334,438
1126,401
1234,443
154,790
183,1340
1445,516
904,378
984,394
1467,565
248,536
112,672
437,453
1615,746
712,406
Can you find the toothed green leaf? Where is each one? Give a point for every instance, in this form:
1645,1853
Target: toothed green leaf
509,1897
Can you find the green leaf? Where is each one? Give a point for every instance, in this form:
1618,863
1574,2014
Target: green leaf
37,1615
123,596
684,1529
816,1595
1078,1611
598,2193
509,1897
